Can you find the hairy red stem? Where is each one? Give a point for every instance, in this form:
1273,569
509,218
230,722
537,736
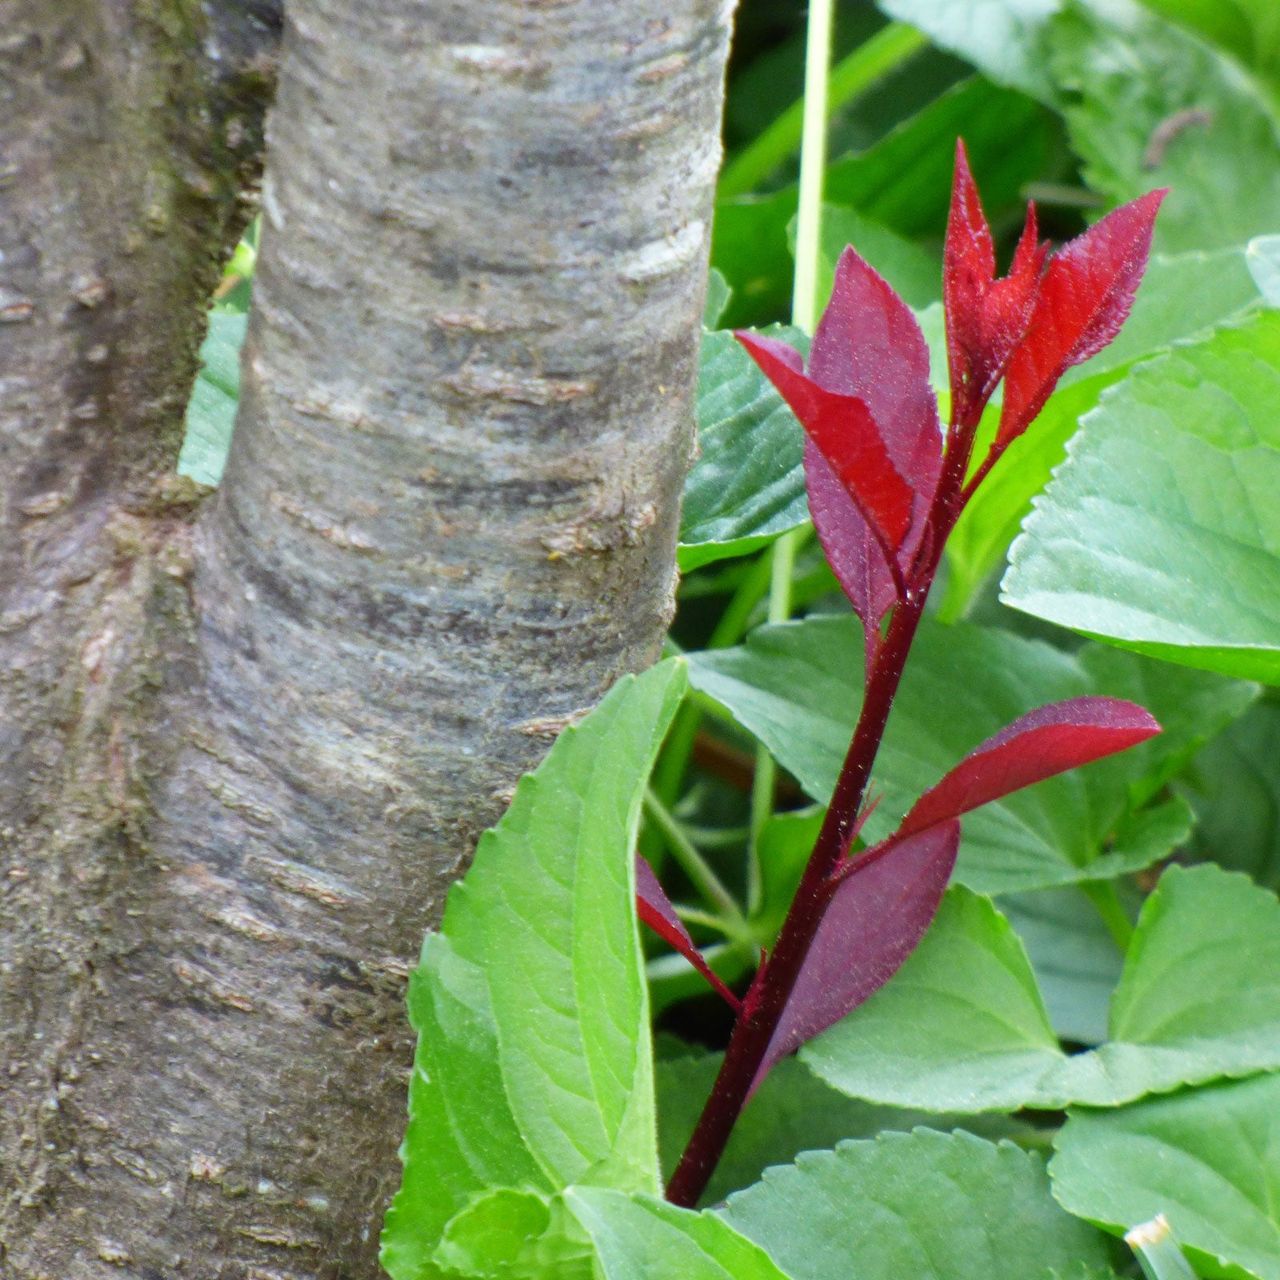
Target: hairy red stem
762,1008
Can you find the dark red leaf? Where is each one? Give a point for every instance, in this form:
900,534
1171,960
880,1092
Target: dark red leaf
986,317
869,345
1036,746
846,434
1084,297
874,921
852,550
654,909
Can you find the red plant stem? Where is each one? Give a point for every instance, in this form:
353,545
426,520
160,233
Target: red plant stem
762,1008
765,1001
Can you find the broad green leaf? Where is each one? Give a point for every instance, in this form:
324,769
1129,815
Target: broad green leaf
639,1237
947,1206
962,1027
1180,296
1236,795
792,1111
211,413
1075,958
1148,105
747,485
533,1067
795,686
1145,103
1161,533
1249,29
1208,1159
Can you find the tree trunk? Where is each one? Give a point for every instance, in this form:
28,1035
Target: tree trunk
246,744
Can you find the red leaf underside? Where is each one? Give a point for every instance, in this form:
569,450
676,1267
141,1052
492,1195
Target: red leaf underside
655,910
874,921
1045,742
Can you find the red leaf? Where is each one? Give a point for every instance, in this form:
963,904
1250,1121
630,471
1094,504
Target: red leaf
654,909
843,429
869,345
1036,746
874,921
851,547
986,317
1085,296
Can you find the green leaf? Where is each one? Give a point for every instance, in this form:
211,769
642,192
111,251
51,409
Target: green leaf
718,295
515,1235
1161,533
794,687
211,413
948,1206
1150,106
962,1027
1146,105
914,272
533,1067
1076,961
1180,296
747,485
1208,1159
1236,795
1248,29
792,1111
638,1237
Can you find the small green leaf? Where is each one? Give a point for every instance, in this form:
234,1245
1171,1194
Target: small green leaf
515,1235
1161,533
718,295
962,1027
212,412
794,687
947,1206
914,272
1208,1159
639,1237
533,1066
747,485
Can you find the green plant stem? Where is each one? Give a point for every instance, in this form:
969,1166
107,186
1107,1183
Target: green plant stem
851,77
692,863
1103,895
1158,1252
732,929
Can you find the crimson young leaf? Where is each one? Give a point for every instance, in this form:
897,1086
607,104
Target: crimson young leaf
1044,742
986,318
847,435
872,924
1084,297
654,909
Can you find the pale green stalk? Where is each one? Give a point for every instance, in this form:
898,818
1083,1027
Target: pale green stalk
1158,1251
804,313
692,863
851,77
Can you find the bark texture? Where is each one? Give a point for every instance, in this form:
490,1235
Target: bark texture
245,752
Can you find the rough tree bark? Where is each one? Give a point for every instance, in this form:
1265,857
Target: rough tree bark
246,743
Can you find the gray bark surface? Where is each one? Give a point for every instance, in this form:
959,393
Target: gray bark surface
245,745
